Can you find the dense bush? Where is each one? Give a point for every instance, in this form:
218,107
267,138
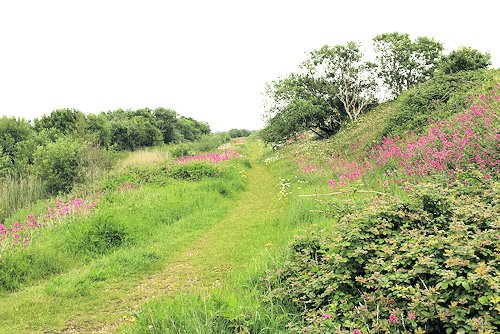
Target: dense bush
436,98
206,143
60,164
464,59
67,161
429,263
65,121
13,131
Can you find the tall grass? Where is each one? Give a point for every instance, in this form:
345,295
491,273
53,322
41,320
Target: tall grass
123,218
17,192
145,157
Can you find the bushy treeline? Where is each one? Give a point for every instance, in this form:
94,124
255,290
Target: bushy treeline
125,129
31,148
236,133
336,84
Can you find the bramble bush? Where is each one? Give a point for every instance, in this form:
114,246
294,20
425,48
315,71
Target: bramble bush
425,264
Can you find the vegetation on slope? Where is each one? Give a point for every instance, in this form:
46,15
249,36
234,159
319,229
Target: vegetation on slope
414,236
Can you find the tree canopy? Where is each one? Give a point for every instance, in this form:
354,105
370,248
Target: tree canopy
335,84
403,63
464,59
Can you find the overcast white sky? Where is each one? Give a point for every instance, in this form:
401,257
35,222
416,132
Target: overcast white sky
205,59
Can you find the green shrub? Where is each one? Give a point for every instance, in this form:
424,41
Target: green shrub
436,99
206,143
60,164
429,262
135,175
182,150
193,171
67,161
464,59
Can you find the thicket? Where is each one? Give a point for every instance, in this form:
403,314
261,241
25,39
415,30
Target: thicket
427,263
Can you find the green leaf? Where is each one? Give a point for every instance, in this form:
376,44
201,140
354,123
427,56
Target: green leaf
483,300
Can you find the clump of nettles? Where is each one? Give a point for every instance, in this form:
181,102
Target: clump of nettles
426,264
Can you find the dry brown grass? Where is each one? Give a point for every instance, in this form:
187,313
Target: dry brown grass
144,157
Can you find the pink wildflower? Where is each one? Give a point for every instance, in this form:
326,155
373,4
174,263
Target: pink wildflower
356,331
327,315
393,318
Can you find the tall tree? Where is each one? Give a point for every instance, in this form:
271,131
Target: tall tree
166,119
351,79
298,103
403,63
335,85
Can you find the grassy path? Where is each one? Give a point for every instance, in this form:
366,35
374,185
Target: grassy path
200,260
231,247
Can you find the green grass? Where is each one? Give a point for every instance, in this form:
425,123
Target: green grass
175,237
223,296
185,256
90,263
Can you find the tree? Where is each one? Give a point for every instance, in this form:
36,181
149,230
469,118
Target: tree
66,121
191,129
166,120
464,59
98,128
335,85
12,131
300,103
403,63
352,80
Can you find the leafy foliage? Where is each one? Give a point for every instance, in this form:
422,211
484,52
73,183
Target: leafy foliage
13,131
193,171
65,121
62,164
427,262
403,63
437,98
464,59
336,85
236,133
351,78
